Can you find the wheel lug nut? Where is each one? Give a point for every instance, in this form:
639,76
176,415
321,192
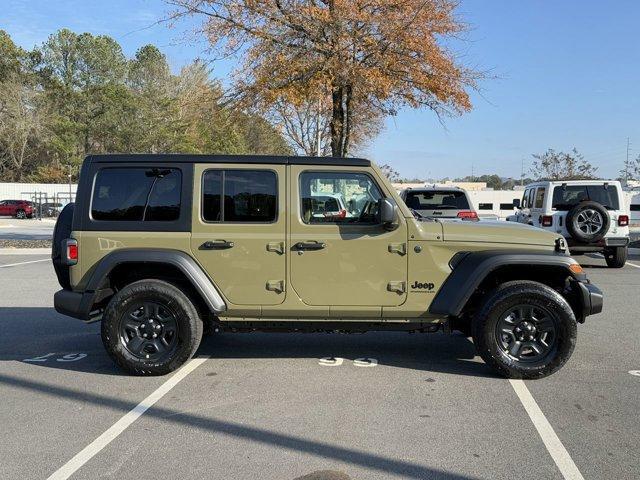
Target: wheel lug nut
144,335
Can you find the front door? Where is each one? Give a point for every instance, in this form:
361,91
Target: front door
340,255
239,229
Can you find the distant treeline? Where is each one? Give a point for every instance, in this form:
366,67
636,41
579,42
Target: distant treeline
78,94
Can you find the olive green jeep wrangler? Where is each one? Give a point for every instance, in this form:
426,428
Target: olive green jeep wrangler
160,248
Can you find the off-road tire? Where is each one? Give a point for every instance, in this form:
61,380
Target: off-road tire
616,257
21,214
529,293
187,318
572,222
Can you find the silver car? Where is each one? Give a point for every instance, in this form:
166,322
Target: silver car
439,202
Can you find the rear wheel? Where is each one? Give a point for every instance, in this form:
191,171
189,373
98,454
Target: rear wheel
525,330
150,327
616,257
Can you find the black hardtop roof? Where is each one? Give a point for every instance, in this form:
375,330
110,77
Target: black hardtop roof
240,159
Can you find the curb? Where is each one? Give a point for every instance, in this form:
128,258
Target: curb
25,251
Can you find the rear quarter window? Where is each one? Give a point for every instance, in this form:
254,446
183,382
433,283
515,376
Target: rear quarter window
136,194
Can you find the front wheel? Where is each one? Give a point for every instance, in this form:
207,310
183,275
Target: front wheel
150,327
21,214
616,257
525,330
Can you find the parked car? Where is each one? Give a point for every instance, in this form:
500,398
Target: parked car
439,202
589,214
17,208
157,247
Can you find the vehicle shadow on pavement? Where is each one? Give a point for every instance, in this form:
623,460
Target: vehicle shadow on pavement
211,425
36,332
454,354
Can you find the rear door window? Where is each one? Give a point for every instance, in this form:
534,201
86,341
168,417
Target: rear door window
565,198
137,194
247,196
437,200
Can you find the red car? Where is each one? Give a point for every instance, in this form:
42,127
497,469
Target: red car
17,208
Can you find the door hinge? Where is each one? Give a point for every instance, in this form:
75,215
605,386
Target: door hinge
277,247
400,248
398,287
275,286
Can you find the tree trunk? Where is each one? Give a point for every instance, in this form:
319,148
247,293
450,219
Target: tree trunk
347,123
341,120
337,122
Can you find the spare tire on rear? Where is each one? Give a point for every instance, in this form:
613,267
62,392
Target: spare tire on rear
61,232
588,222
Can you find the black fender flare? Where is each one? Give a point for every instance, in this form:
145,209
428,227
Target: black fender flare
469,269
80,304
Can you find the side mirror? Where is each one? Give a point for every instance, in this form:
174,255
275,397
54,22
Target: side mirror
387,213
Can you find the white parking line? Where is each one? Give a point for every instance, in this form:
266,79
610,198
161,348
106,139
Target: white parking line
121,425
24,263
633,265
554,446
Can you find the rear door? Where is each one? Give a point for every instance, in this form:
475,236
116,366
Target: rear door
4,209
239,227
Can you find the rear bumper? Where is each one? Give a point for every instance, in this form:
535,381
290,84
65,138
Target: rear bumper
599,245
80,305
69,303
591,299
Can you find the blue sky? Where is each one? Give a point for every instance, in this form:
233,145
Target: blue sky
568,75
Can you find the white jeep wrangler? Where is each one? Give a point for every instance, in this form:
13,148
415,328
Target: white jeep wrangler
589,214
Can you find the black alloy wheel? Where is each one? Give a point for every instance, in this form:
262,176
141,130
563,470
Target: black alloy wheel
527,333
149,331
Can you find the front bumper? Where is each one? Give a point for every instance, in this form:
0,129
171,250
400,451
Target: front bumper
590,297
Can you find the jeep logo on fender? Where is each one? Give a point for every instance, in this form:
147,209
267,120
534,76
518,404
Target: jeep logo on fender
422,286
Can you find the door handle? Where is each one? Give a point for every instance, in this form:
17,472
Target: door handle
314,245
216,245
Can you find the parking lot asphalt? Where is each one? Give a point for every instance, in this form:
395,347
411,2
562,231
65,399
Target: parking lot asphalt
267,406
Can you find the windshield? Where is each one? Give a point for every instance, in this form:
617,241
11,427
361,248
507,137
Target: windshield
437,200
565,198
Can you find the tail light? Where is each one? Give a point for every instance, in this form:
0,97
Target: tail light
468,215
623,220
546,221
71,251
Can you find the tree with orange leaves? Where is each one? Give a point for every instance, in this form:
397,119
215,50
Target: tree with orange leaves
385,54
